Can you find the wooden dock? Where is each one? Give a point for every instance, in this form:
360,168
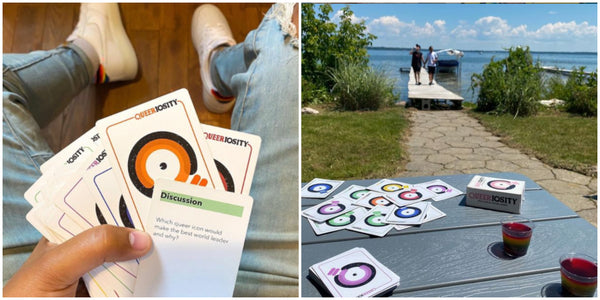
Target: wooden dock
429,92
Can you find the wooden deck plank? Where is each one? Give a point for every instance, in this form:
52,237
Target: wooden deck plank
426,91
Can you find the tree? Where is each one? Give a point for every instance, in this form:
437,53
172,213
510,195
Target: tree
325,45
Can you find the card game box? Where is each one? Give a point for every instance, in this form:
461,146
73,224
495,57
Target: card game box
495,193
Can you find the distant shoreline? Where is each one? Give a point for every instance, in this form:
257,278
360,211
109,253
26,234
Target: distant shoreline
489,51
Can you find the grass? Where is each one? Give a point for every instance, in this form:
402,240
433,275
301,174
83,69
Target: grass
559,139
354,145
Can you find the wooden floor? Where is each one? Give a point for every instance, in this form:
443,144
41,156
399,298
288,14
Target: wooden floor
426,91
161,36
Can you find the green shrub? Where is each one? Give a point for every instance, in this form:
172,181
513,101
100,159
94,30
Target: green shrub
511,85
359,87
312,94
579,92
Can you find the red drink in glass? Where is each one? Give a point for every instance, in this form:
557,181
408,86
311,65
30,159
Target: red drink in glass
579,273
516,235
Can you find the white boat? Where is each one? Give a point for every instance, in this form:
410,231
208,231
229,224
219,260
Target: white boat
449,60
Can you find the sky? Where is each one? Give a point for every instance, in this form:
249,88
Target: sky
543,27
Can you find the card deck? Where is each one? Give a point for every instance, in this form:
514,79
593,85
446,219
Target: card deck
328,209
320,188
354,273
338,223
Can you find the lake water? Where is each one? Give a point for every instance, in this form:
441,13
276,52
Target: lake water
391,60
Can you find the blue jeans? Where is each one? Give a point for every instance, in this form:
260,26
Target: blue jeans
262,72
36,87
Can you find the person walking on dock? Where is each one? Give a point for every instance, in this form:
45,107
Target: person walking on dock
417,60
431,60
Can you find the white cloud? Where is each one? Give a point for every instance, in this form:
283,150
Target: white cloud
440,24
353,18
391,25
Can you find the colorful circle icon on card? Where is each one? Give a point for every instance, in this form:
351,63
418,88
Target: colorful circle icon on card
379,200
438,189
357,194
407,212
343,220
320,188
226,177
377,219
393,187
161,154
354,275
410,195
333,208
501,184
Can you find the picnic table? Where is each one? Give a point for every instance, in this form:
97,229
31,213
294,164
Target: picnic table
461,254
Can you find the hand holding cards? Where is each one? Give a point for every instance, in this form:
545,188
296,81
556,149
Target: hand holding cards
110,176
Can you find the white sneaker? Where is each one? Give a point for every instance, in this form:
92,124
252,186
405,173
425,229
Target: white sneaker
100,25
210,30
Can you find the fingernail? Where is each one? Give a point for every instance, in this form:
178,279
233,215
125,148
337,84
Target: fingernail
139,240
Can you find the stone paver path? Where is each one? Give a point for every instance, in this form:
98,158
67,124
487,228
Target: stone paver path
451,142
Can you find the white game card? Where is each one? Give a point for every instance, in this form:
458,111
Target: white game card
235,154
103,185
433,213
338,223
320,188
410,196
442,190
198,235
408,215
372,199
161,138
78,149
388,186
328,209
355,273
353,192
373,223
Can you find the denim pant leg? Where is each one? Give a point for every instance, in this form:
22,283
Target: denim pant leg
262,73
36,87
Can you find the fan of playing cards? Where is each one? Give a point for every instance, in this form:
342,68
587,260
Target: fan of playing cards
354,273
108,176
375,209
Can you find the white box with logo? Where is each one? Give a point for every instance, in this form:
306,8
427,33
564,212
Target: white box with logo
495,193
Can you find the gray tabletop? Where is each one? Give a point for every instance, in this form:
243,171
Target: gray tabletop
453,256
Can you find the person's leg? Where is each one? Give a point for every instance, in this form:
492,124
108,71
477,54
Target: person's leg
262,73
36,87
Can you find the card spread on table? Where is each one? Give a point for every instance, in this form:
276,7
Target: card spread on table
411,195
408,215
353,192
320,188
354,273
198,236
328,209
372,199
373,222
388,186
235,154
161,138
338,223
442,190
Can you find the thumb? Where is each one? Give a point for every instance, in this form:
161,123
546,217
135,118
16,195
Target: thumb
88,250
